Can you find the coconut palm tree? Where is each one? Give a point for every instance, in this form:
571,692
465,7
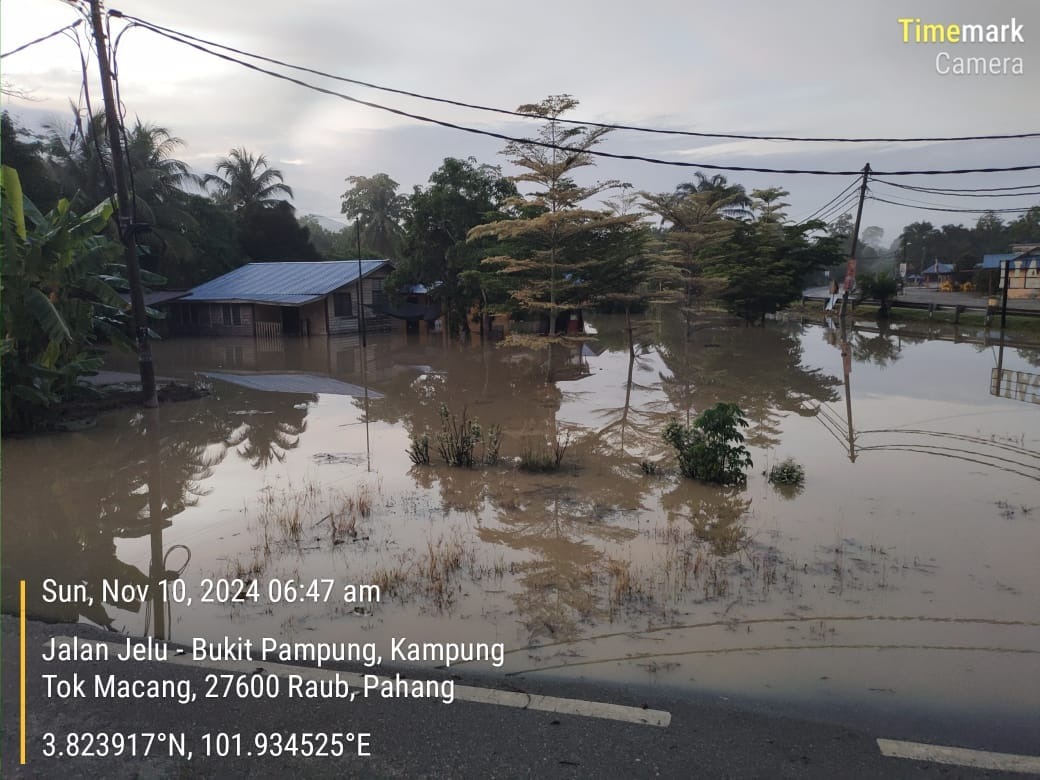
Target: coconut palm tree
373,201
733,202
243,179
158,179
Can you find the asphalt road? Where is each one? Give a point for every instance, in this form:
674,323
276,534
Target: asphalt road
705,737
932,295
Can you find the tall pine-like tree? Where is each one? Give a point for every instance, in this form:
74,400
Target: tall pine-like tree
556,242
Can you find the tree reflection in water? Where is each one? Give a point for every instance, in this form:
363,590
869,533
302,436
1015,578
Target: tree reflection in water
763,375
78,493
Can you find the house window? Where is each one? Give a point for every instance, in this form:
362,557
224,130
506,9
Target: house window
378,296
232,314
342,305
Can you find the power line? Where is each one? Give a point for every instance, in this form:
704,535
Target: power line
605,125
828,203
984,192
942,205
965,211
847,203
25,46
574,150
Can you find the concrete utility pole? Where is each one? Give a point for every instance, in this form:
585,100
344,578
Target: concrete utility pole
1004,297
850,273
360,291
124,220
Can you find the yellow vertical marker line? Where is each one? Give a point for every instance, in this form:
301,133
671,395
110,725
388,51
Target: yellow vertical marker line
21,678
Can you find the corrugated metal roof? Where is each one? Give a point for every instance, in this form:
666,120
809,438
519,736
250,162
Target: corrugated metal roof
994,261
156,298
288,283
294,383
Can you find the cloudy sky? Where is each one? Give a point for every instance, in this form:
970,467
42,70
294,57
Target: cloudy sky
802,67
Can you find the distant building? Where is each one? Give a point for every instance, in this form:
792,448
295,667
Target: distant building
937,272
291,298
1024,264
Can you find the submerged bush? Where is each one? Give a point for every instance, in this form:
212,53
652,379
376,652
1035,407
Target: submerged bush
712,450
457,442
419,450
543,457
787,472
648,467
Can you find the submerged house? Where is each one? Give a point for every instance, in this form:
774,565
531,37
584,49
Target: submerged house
290,298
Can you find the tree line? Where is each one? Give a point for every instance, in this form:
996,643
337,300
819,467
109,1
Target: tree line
542,243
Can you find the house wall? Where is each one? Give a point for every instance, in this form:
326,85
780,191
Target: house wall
371,285
313,314
212,319
265,321
1023,282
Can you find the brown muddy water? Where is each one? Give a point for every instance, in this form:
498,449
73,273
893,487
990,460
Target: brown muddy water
904,572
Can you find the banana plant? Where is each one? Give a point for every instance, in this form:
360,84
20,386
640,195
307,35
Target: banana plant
59,277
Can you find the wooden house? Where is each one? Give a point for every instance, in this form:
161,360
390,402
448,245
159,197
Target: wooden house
287,298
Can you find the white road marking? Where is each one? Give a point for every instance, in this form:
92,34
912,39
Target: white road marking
524,701
978,759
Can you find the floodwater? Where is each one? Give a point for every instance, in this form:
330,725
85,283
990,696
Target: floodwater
901,576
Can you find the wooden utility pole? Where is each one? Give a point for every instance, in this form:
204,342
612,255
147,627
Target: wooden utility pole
124,211
851,271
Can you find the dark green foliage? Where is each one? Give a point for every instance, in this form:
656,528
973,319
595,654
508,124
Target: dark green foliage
215,247
768,263
712,450
880,287
336,244
461,195
271,232
58,301
25,152
920,243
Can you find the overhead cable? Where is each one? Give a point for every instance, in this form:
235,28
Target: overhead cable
560,147
25,46
964,211
826,205
985,192
605,125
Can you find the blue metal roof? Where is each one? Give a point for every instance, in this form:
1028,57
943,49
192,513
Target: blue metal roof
994,261
288,283
938,268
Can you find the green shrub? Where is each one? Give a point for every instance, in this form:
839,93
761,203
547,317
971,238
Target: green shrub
880,287
458,439
787,472
712,450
